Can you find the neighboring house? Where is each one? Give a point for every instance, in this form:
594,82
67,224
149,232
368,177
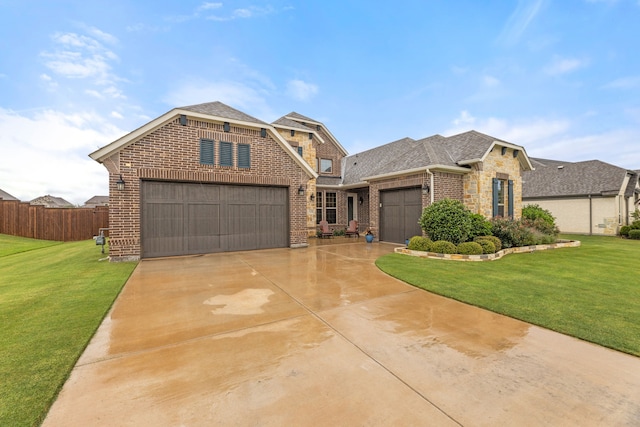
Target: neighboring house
6,196
96,201
209,178
590,197
51,202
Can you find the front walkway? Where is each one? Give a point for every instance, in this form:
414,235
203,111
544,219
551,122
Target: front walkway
319,336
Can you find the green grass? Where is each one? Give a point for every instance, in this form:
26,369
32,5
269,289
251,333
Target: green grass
53,297
591,292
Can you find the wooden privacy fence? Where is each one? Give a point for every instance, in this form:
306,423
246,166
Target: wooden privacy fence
61,224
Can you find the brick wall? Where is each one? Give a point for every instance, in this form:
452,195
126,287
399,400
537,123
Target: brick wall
172,152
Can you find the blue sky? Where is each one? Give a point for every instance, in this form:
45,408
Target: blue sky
561,78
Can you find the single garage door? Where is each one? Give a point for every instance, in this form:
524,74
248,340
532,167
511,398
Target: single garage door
399,214
187,218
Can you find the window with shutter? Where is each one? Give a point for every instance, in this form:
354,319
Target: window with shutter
510,201
244,156
206,151
498,197
300,151
226,153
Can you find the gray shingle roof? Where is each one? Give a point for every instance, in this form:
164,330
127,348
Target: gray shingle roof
301,117
292,124
407,153
219,109
51,202
553,178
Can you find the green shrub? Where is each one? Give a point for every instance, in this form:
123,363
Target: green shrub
634,234
419,243
497,244
635,225
479,226
534,212
339,232
447,220
470,248
487,246
624,230
443,247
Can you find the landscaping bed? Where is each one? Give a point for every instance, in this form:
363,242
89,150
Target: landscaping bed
490,257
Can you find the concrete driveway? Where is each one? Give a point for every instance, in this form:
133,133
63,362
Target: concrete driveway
319,336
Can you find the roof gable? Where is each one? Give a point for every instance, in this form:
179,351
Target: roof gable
6,196
306,121
214,111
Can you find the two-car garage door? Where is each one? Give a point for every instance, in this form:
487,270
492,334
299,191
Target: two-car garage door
188,218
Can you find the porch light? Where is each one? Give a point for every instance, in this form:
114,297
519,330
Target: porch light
515,153
312,197
361,200
301,190
425,189
504,150
120,183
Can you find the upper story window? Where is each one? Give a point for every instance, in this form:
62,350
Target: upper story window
226,153
244,156
206,151
326,165
299,150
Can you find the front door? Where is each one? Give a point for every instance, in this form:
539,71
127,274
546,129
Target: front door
352,211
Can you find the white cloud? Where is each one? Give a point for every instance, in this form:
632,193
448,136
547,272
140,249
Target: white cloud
490,81
631,82
523,132
519,21
116,115
238,95
300,90
47,153
80,57
561,65
209,6
557,139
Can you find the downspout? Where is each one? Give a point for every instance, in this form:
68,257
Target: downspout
590,216
431,182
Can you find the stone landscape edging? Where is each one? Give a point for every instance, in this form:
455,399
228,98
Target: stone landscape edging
490,257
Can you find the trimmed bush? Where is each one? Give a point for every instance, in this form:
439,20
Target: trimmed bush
487,246
444,247
447,220
479,226
470,248
339,232
419,243
624,230
635,225
634,234
497,244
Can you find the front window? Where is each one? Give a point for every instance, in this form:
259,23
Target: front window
501,191
326,165
331,205
318,207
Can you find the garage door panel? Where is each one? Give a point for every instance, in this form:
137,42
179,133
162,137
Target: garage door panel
203,228
189,218
241,227
272,219
163,228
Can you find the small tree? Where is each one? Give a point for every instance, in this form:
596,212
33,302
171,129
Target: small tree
447,220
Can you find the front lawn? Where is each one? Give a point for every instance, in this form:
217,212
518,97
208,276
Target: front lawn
591,292
53,297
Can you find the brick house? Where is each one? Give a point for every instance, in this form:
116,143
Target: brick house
209,178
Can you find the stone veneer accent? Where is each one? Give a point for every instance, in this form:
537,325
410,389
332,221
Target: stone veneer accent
489,257
172,153
478,185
